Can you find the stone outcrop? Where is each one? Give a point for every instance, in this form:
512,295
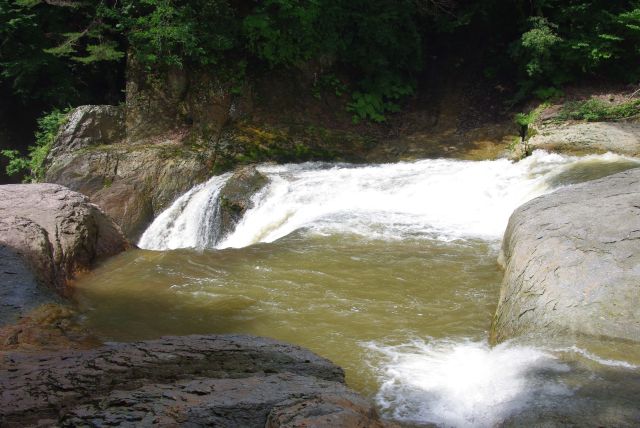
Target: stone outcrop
588,138
55,231
179,99
572,262
236,197
89,125
225,381
132,184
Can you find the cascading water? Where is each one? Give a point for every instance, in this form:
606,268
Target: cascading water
191,221
389,270
435,198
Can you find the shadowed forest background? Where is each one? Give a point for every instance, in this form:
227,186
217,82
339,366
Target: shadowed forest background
374,57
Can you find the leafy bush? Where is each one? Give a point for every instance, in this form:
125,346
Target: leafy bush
594,110
48,127
376,42
283,32
568,40
374,105
177,32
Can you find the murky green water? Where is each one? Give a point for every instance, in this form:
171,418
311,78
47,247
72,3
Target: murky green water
330,294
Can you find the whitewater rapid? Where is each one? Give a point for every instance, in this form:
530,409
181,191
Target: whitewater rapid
455,381
432,199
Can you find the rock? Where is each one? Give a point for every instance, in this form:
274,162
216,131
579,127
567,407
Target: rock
236,197
572,262
326,410
89,125
189,100
224,381
20,290
132,183
56,231
30,242
51,326
587,138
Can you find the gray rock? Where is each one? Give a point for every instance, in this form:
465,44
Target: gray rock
572,262
330,409
236,197
132,184
56,231
89,125
585,138
225,381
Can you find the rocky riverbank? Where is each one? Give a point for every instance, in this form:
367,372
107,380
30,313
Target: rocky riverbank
225,381
54,372
572,261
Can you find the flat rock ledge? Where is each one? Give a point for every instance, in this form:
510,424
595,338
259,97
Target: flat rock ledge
588,137
222,381
572,263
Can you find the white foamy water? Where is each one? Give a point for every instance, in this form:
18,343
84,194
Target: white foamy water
190,222
434,198
463,383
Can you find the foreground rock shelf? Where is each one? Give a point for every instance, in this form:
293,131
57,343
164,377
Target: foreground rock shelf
572,262
226,381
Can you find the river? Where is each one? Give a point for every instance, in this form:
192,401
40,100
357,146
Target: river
388,270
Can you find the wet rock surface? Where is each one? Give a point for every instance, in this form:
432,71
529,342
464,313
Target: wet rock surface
236,197
55,231
587,138
223,381
48,327
572,262
20,291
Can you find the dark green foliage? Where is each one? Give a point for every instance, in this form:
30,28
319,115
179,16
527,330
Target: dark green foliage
25,67
56,52
376,41
567,40
283,32
177,32
48,127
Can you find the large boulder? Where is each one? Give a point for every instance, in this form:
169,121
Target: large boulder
572,262
131,183
224,381
57,232
236,197
191,101
587,138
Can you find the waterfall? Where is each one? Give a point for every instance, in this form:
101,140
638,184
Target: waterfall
429,199
190,222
